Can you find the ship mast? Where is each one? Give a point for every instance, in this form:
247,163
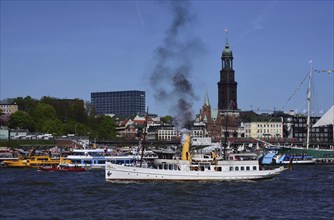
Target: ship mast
144,139
309,107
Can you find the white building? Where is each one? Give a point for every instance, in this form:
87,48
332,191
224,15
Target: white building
263,129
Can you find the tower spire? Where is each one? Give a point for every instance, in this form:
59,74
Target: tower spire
206,99
226,32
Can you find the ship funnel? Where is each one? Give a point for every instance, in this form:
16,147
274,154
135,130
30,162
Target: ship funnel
185,142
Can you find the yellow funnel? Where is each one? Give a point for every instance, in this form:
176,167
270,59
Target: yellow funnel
185,141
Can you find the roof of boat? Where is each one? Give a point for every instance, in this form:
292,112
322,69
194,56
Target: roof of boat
91,150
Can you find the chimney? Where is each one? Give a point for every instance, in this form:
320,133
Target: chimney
185,142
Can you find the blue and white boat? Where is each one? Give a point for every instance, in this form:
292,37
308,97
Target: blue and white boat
273,157
96,158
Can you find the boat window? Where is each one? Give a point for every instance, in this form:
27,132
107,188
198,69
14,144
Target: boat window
254,168
160,166
218,168
236,168
242,168
231,168
247,168
166,166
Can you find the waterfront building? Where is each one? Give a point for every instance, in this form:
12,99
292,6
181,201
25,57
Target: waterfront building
264,128
297,127
9,108
167,133
119,102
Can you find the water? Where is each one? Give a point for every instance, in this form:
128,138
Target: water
305,193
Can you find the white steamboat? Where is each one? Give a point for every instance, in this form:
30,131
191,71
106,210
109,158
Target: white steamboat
187,168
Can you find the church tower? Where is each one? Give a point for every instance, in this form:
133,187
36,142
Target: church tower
227,86
206,109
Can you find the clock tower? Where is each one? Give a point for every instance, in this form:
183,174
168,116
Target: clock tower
227,86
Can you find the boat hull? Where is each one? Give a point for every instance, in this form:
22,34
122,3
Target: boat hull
55,169
315,153
320,156
115,172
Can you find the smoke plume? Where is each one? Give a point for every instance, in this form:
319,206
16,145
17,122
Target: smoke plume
171,73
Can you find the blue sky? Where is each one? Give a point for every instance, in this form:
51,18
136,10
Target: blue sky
68,49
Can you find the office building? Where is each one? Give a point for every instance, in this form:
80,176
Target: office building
119,103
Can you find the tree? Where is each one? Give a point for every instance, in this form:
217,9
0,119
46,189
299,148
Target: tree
4,119
22,120
25,104
52,126
73,127
166,119
106,128
42,113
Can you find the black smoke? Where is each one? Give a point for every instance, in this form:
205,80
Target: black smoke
171,73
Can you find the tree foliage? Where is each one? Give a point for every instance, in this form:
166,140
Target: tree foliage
52,126
167,119
106,128
21,120
60,117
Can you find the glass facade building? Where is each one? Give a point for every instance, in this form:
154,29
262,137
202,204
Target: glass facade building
119,102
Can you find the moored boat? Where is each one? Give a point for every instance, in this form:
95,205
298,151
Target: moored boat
34,161
96,158
274,156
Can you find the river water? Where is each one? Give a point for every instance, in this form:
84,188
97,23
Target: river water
307,192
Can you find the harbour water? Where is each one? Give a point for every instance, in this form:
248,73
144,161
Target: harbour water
307,192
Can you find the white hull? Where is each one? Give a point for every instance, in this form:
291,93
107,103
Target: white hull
120,172
299,162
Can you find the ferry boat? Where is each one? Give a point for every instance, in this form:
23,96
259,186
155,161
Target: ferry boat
34,161
96,158
187,168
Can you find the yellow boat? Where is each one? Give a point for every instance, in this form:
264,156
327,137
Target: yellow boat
35,161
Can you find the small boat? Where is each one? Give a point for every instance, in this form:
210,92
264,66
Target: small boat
275,157
62,168
188,168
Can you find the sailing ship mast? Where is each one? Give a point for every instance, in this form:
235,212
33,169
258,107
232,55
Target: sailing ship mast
309,107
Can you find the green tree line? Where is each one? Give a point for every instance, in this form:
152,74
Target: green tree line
59,117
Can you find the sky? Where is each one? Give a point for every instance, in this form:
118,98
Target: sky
69,49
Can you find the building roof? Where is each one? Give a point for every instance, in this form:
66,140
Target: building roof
227,52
